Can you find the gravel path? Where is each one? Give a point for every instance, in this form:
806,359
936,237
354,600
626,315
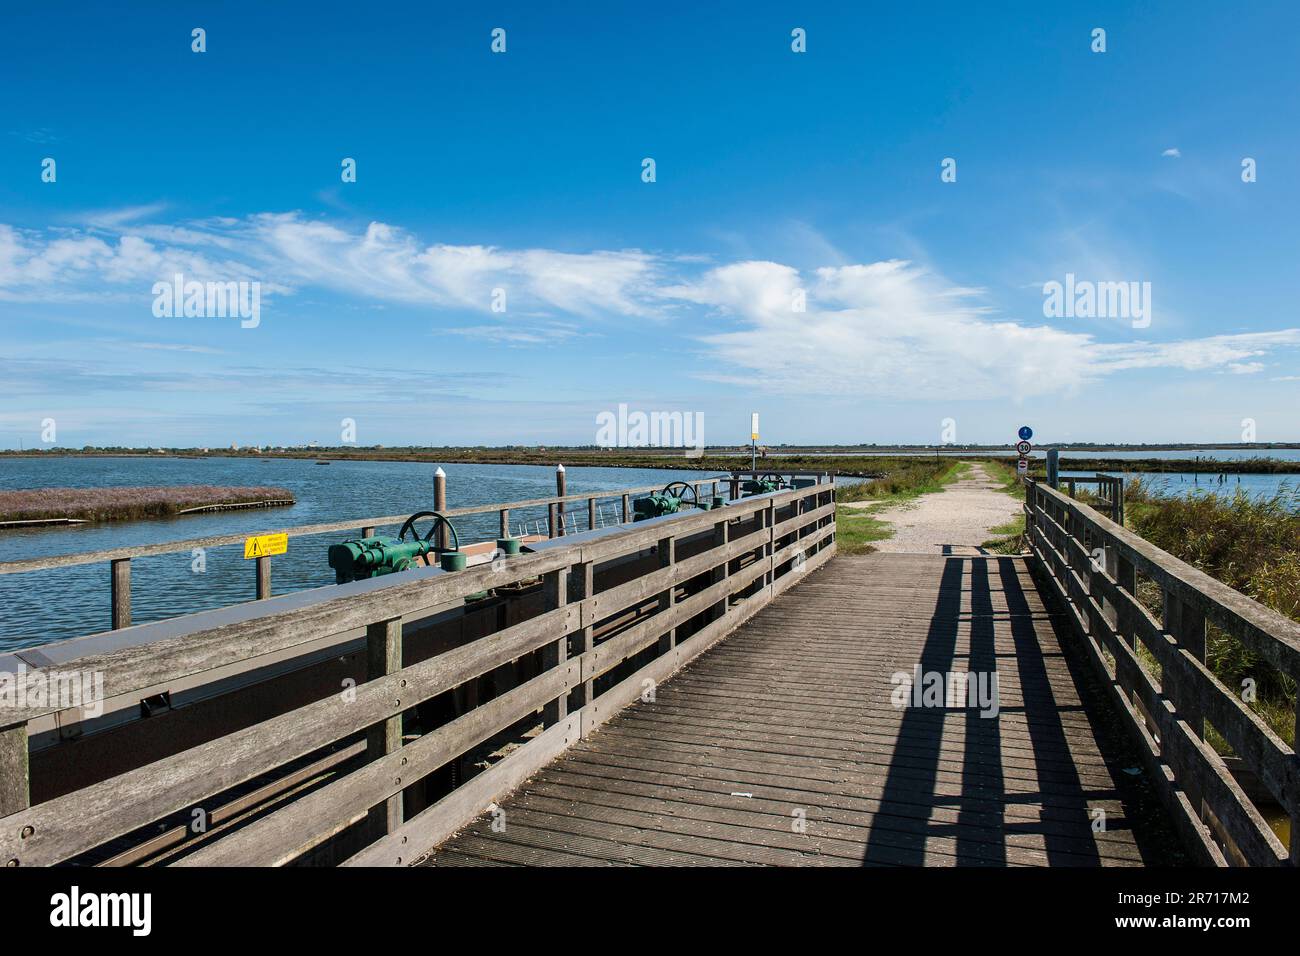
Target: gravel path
953,521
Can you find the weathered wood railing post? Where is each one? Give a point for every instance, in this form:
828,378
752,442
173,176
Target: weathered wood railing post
121,592
769,518
1186,625
440,505
627,508
1126,630
721,534
367,532
582,585
503,524
263,565
14,789
384,657
667,558
1295,816
555,586
591,514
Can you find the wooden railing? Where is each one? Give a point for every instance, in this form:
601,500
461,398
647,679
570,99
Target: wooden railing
623,608
1109,498
1156,673
119,559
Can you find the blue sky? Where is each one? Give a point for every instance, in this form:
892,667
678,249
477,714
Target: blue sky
778,174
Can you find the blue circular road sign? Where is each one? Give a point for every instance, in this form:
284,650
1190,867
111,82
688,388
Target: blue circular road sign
1026,433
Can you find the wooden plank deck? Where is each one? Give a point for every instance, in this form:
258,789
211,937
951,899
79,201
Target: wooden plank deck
781,746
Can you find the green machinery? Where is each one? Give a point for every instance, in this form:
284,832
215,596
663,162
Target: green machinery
673,498
763,484
371,557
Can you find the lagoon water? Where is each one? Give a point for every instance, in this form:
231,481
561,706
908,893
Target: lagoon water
69,602
1176,483
44,606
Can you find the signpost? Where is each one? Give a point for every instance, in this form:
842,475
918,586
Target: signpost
261,547
1023,448
265,545
753,441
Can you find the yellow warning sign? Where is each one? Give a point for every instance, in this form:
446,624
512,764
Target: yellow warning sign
265,545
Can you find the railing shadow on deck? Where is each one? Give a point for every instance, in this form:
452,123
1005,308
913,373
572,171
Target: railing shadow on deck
962,639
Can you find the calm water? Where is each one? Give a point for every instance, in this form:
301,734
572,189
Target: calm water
1174,483
52,605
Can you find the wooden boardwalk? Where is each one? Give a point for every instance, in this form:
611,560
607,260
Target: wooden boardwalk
781,746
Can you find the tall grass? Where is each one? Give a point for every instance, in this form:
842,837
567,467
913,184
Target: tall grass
903,477
126,503
1250,543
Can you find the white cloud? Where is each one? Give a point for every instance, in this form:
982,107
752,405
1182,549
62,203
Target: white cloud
514,335
285,252
1173,151
888,329
891,330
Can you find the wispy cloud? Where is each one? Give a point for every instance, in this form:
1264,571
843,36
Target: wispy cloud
519,336
286,252
889,329
893,330
1173,152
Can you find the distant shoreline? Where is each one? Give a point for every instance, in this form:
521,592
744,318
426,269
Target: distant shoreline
777,459
520,454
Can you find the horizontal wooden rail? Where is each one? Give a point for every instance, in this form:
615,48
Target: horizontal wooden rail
734,560
1110,493
1093,565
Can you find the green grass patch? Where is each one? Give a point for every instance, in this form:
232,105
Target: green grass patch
906,478
1008,480
1010,537
857,528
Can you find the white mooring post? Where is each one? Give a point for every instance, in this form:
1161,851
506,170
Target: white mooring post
557,513
440,505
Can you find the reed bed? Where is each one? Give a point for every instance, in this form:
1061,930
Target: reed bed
127,503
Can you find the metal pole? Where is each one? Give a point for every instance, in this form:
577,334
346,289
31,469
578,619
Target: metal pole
561,489
440,505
